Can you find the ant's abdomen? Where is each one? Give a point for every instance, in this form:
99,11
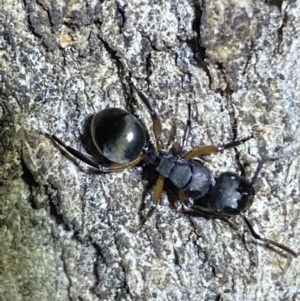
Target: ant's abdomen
192,177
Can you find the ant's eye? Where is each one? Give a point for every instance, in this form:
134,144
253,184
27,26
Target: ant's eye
118,135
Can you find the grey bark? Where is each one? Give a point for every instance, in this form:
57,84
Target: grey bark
69,233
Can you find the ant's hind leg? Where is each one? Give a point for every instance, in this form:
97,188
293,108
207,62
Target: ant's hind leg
156,123
110,167
157,130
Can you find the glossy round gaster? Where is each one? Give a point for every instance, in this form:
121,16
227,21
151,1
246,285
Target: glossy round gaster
118,135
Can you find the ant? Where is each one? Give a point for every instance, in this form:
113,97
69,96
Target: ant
122,139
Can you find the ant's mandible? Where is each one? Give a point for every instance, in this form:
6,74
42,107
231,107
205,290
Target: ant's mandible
121,138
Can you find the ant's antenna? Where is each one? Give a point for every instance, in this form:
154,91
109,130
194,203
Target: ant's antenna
258,169
253,233
268,241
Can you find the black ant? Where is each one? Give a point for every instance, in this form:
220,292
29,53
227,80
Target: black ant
122,139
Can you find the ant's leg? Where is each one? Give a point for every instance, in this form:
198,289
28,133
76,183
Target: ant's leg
183,197
201,151
187,129
158,189
86,159
157,128
210,149
156,196
258,169
233,144
176,148
268,241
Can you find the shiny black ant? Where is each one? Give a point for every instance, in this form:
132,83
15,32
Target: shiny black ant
122,139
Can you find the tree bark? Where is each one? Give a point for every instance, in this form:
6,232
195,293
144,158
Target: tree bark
70,233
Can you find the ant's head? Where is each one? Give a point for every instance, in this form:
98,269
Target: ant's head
232,194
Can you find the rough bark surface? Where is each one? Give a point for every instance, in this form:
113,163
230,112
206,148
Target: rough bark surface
70,233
